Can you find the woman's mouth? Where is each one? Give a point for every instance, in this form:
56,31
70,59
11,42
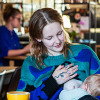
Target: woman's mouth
58,46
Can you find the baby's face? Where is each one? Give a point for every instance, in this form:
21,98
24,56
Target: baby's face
83,86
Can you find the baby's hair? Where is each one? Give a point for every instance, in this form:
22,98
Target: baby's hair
93,82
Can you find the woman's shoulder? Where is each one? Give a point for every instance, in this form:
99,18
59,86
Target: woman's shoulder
30,61
3,30
2,27
79,47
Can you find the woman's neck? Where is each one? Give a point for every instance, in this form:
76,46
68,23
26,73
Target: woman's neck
9,27
54,53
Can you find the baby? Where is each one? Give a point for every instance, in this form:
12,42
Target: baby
76,90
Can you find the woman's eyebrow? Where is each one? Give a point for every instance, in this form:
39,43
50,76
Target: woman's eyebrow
48,36
52,35
59,31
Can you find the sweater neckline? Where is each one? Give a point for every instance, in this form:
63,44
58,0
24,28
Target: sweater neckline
55,57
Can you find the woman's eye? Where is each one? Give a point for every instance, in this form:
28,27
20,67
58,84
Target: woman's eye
49,38
59,33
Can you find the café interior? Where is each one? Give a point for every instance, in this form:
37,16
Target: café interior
81,21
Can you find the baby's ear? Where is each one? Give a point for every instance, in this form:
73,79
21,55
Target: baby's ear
86,86
39,40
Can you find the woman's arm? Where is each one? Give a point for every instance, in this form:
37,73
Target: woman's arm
17,52
94,63
41,83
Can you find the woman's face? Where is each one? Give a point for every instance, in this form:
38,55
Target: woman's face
53,38
16,21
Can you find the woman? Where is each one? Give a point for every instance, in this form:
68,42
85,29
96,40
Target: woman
48,68
9,41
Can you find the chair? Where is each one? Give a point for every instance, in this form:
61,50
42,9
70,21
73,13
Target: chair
4,82
97,50
13,81
1,80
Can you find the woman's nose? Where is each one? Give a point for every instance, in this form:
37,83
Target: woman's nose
57,40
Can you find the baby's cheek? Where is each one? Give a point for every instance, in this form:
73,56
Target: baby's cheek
82,86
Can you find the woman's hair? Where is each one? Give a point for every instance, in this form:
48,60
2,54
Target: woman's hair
93,82
38,21
10,11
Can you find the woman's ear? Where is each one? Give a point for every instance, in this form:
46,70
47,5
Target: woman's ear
10,18
39,40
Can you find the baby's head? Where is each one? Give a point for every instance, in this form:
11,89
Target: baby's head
92,84
72,84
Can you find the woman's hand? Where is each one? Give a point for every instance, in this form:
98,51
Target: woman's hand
63,73
17,52
27,48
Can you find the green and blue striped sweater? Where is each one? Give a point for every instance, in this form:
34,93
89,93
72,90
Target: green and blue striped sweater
41,84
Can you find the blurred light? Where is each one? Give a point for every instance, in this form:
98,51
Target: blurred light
58,1
63,7
67,6
93,3
66,20
4,1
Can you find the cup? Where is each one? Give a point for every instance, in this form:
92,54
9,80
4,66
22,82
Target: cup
18,95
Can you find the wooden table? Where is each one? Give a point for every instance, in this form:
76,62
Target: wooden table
13,58
7,68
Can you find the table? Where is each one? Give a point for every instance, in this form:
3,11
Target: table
24,43
7,69
13,58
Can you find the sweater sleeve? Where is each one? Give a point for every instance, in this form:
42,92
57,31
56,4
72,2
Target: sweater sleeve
39,83
95,66
87,55
94,63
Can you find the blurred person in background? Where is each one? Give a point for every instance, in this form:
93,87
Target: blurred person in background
9,41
